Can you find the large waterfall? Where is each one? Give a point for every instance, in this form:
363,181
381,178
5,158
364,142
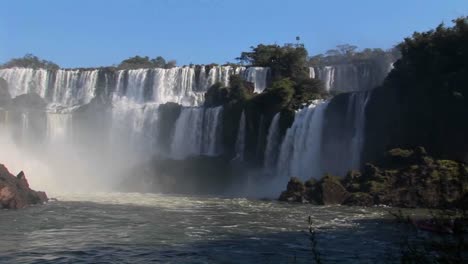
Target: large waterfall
123,124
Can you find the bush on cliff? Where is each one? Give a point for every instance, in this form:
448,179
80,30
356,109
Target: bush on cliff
405,178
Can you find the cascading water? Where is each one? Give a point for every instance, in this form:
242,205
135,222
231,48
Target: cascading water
357,111
61,88
301,148
350,77
240,140
134,97
212,129
59,128
197,132
271,150
257,76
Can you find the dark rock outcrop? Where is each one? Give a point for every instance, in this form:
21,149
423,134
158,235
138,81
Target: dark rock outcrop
295,192
15,192
405,178
328,190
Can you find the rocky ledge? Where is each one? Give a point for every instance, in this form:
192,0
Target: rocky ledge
15,192
405,178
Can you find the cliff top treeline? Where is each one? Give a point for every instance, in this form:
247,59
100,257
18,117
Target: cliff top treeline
342,54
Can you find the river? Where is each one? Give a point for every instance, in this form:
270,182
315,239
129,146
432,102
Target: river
147,228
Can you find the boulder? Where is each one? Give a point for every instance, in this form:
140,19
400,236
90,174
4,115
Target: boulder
295,192
331,191
359,199
15,192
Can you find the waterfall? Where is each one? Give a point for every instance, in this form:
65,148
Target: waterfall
271,150
212,129
73,87
350,77
134,126
257,76
357,111
59,128
67,88
301,148
197,132
25,80
240,141
312,73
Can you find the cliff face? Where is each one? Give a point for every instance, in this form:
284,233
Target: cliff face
15,192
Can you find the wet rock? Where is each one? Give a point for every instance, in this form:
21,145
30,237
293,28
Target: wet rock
359,199
15,192
295,192
411,178
330,191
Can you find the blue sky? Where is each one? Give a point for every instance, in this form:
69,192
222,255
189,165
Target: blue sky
104,32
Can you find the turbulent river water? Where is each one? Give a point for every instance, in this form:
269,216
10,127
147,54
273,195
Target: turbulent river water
146,228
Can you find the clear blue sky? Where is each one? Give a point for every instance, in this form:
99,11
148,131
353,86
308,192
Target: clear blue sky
104,32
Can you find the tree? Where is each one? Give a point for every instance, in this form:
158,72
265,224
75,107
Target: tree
284,61
159,62
30,61
138,62
346,49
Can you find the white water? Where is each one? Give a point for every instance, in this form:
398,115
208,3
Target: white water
257,76
357,110
240,140
349,77
271,150
197,131
301,148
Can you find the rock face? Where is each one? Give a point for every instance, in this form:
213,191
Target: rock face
15,192
405,178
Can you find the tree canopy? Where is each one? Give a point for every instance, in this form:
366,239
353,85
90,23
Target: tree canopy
287,61
30,61
138,62
346,53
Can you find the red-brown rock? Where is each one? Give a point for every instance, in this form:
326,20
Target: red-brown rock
15,192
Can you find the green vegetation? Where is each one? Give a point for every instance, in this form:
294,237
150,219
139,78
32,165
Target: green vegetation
429,84
347,53
288,61
139,62
30,61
